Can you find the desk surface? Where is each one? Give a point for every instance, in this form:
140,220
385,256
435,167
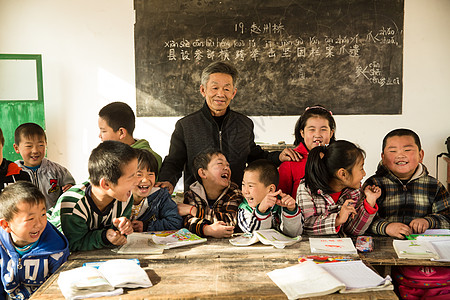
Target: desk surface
216,269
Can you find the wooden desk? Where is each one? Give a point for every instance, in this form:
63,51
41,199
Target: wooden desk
385,256
213,269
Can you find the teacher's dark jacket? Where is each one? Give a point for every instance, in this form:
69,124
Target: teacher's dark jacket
198,131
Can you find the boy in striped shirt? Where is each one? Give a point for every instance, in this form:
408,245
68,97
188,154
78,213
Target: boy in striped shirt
95,214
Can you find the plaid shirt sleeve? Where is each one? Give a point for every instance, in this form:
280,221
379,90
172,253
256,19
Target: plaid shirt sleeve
195,223
227,207
318,219
361,221
440,217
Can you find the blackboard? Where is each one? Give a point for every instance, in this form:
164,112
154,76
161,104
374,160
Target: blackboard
344,54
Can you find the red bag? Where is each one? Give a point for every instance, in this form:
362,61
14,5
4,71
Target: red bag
422,282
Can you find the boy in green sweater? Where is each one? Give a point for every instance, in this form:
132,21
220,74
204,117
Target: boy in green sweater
96,214
116,122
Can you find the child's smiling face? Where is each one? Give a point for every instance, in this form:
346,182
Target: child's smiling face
317,132
253,189
218,171
146,182
126,183
402,156
27,224
32,149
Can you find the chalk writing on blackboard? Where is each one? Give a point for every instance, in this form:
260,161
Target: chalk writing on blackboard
290,54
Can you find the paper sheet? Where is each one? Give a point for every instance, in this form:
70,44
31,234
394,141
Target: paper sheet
354,274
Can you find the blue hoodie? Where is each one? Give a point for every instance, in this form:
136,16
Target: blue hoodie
162,212
21,276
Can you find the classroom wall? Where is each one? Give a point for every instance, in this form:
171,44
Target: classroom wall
87,52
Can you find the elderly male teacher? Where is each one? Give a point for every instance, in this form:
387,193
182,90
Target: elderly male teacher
215,125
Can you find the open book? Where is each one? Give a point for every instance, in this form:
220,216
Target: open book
332,245
308,279
427,248
267,237
106,280
414,249
140,243
182,237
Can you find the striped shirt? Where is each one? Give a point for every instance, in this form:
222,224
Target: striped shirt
84,225
279,218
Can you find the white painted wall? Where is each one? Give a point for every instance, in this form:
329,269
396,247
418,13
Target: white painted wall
88,61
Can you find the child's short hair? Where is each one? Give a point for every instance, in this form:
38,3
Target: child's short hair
28,130
2,138
107,161
314,111
118,115
402,132
147,161
324,161
219,67
267,171
13,194
202,160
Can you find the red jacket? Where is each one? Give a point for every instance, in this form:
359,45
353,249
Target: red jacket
10,173
291,172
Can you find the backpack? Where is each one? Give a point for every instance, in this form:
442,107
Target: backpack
422,282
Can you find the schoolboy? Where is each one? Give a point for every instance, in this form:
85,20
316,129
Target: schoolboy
9,171
153,207
411,201
50,177
116,122
264,207
211,203
31,249
96,214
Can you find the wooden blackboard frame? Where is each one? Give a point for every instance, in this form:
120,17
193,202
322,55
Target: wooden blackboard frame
370,83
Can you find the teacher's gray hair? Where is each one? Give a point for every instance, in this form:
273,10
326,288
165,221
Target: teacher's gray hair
219,67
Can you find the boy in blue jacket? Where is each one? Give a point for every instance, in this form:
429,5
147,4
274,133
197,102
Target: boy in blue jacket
153,208
31,249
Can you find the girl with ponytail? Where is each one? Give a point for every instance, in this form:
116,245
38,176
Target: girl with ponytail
329,195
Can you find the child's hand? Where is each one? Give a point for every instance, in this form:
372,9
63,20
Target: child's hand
419,225
138,226
269,201
186,209
286,201
66,187
115,237
347,210
124,225
218,229
398,230
372,193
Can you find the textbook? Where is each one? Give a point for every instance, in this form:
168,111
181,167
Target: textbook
106,280
442,248
309,279
431,235
332,245
182,237
414,249
140,243
267,237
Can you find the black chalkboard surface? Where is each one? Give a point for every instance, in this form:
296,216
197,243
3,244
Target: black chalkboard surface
344,54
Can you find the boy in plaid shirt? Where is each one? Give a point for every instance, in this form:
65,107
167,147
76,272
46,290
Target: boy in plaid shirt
411,201
211,204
